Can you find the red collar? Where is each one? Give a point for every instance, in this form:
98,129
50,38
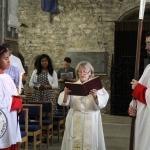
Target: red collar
1,72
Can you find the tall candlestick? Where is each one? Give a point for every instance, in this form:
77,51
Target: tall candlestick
20,84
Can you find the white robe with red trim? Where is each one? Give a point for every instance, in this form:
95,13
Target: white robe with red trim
12,134
83,128
142,123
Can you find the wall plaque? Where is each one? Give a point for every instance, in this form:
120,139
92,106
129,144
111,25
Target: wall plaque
97,59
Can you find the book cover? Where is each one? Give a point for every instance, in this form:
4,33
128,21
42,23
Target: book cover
67,75
70,74
37,84
63,75
83,89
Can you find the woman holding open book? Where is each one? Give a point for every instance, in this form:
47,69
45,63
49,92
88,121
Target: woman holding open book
83,128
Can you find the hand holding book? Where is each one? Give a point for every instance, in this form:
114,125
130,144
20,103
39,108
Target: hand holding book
93,93
67,91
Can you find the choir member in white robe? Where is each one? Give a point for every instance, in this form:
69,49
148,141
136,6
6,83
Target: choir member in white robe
141,92
9,126
83,127
142,123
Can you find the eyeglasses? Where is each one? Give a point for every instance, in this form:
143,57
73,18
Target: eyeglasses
83,72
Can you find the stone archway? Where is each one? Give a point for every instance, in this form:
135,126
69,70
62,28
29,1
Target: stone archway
133,15
127,25
126,29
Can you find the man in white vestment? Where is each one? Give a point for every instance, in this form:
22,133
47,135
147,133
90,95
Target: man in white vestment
83,128
141,92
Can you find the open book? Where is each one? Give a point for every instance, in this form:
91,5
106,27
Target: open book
67,75
83,89
37,84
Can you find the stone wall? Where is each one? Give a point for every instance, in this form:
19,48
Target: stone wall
81,25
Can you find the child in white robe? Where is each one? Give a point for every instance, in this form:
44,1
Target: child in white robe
9,106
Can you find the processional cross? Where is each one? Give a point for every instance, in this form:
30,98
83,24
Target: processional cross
136,72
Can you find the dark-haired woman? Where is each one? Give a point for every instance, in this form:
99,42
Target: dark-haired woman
46,77
9,127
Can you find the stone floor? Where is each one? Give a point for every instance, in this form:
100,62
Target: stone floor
116,132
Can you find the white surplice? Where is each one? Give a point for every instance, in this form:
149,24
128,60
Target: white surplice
12,134
83,128
142,122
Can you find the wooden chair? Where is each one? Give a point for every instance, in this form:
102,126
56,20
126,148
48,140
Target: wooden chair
59,120
26,98
23,119
29,94
24,101
35,131
47,123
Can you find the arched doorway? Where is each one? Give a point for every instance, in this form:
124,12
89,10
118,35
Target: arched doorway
126,29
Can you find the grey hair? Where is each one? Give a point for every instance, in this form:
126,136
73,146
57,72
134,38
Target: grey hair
86,65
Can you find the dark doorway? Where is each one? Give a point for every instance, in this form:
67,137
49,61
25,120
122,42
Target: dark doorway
123,64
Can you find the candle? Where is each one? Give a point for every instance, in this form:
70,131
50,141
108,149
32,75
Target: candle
20,84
